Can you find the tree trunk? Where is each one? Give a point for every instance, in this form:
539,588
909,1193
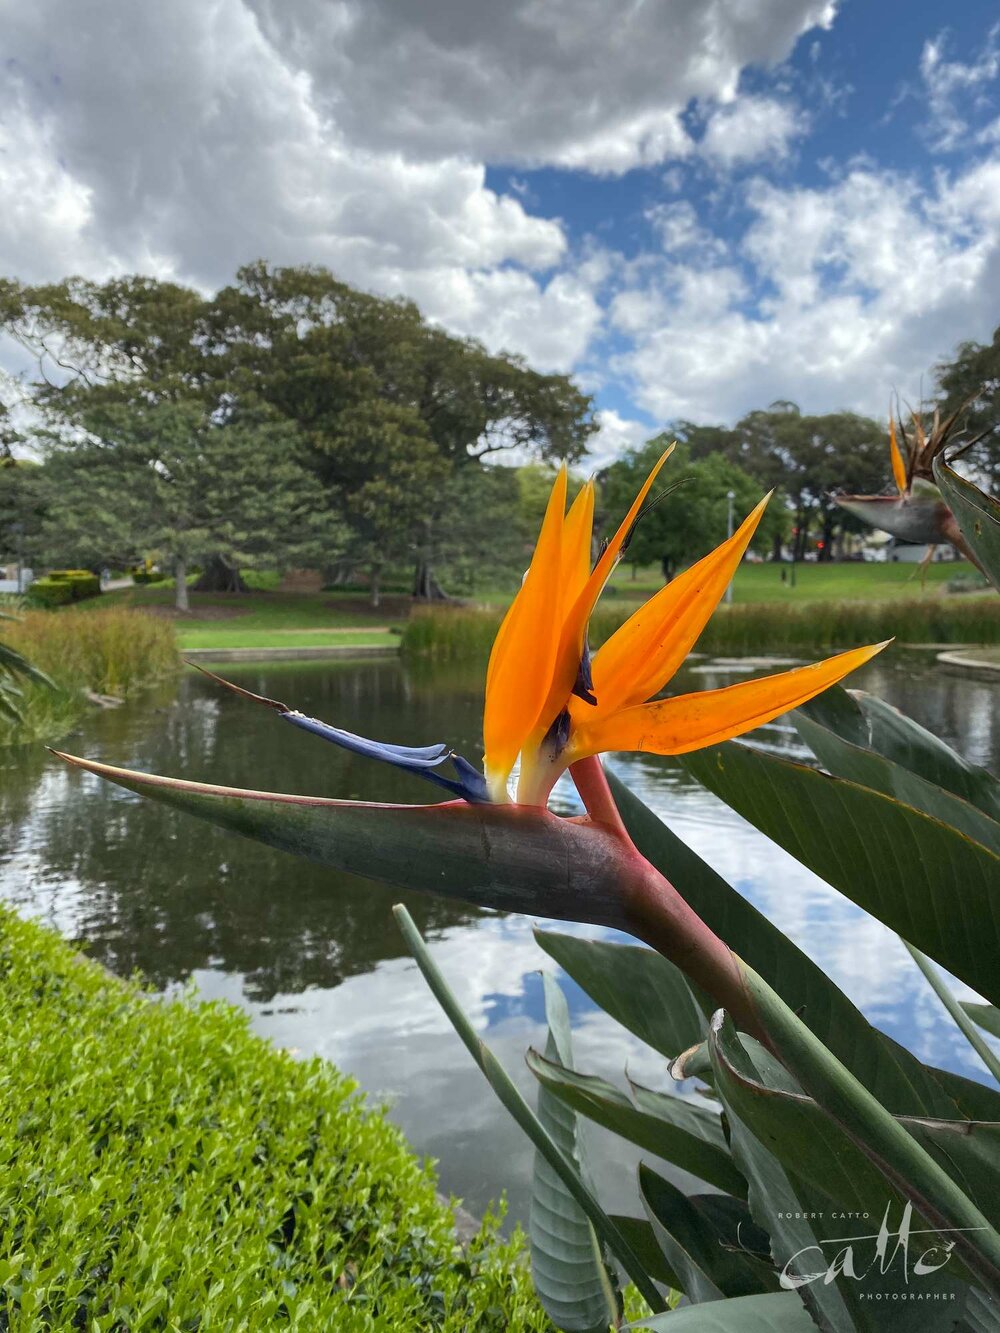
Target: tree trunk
375,584
220,576
425,586
180,586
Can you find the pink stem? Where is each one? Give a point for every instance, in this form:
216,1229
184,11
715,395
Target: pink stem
661,917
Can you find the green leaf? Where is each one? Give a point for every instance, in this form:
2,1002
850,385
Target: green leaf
933,885
845,760
882,1138
508,857
864,719
523,1115
962,1021
809,1181
638,987
895,1076
709,1240
986,1015
977,514
689,1136
775,1312
639,1234
13,661
566,1267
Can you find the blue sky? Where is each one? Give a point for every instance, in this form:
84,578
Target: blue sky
694,206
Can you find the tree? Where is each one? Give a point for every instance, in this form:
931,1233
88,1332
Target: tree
386,405
691,518
328,356
811,457
167,479
971,382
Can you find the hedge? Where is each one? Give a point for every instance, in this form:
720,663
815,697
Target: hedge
163,1168
50,592
75,585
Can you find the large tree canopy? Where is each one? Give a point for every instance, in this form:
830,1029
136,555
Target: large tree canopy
385,407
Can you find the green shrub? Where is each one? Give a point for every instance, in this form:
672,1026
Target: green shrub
148,576
50,592
163,1168
81,583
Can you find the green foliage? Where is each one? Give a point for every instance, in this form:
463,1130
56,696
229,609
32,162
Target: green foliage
971,382
144,576
978,516
50,592
112,652
690,520
81,582
164,1168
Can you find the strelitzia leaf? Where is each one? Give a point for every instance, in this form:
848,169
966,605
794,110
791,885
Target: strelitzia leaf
806,1177
709,1240
689,1136
861,765
774,1312
895,1076
897,1153
865,720
957,1012
526,1119
978,516
986,1015
566,1266
514,858
640,988
924,879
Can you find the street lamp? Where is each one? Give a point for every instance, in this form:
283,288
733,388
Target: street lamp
730,496
18,530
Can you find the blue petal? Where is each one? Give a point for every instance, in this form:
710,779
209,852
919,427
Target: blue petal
420,760
471,784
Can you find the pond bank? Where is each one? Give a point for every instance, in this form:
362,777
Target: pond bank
163,1165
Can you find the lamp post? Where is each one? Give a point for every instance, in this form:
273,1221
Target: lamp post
730,497
18,530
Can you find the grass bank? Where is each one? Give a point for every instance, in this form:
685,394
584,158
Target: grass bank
110,651
162,1167
267,618
467,634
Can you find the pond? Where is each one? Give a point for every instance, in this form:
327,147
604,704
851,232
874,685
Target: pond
314,956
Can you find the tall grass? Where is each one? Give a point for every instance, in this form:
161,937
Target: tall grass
465,634
109,652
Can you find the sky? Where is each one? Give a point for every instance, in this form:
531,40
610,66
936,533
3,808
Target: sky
695,207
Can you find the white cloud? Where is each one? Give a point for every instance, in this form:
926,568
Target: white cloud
573,82
956,91
184,140
615,434
834,295
750,129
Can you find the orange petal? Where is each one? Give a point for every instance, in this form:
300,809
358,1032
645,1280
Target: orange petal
644,653
691,721
898,466
575,617
520,668
577,536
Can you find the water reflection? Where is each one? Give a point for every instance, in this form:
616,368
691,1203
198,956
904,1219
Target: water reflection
314,955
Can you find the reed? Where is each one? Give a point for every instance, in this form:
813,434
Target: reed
110,652
466,633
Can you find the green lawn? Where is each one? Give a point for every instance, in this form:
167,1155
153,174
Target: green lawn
269,619
814,583
266,618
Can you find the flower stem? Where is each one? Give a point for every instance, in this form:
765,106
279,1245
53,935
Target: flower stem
662,918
